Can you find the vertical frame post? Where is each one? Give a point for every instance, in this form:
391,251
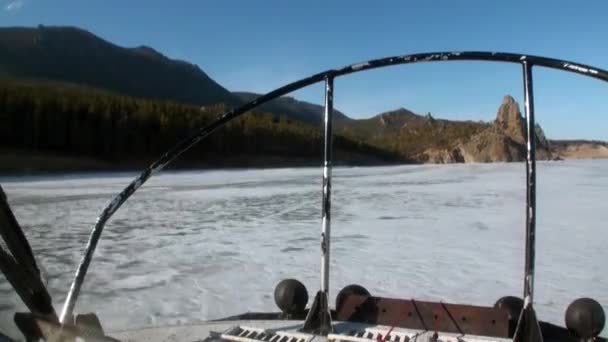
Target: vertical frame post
527,328
327,166
318,320
530,184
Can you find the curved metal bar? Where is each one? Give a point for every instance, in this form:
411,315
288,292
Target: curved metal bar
203,132
477,56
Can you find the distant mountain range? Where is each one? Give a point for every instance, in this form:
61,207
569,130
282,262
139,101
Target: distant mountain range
73,55
69,55
294,109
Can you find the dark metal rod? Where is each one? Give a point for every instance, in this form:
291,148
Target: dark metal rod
419,315
327,164
530,184
452,318
562,65
203,132
318,320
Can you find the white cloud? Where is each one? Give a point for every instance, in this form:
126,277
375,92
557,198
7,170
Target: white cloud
13,5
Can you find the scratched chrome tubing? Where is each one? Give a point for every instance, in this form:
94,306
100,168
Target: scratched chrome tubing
327,165
530,184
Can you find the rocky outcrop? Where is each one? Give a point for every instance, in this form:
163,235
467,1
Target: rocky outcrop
441,156
492,145
510,122
503,141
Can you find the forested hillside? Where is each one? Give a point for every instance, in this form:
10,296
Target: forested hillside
78,121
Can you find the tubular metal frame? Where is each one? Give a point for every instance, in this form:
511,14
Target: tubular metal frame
327,165
329,75
530,183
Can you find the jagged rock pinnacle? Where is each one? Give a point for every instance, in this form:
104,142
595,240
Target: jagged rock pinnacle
510,121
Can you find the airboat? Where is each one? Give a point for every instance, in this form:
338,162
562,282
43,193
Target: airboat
358,315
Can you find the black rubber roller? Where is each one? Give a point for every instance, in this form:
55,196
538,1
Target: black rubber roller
585,318
353,289
291,296
512,305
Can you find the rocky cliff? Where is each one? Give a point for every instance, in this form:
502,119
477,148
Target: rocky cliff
502,141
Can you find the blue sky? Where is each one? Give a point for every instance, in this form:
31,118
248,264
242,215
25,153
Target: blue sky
260,45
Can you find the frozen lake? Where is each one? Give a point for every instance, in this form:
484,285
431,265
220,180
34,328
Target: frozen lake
196,245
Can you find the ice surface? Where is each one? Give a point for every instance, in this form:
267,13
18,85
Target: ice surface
198,245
